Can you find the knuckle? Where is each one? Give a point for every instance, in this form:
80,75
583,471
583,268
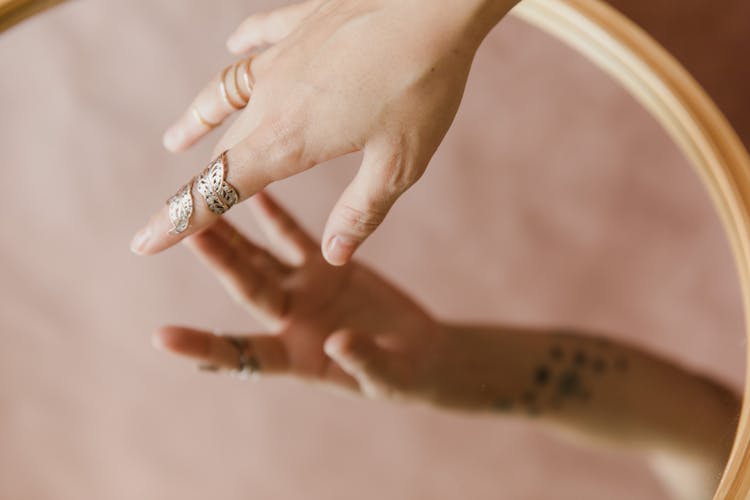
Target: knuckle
254,21
361,222
289,150
398,175
259,66
279,22
285,145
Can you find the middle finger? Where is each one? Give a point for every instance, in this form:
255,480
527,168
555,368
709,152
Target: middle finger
248,273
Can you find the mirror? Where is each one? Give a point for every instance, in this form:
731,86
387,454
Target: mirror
564,208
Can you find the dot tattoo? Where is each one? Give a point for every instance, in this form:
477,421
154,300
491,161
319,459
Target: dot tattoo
541,375
570,385
569,373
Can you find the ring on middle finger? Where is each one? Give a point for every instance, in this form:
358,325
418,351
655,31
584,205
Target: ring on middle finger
238,87
225,92
247,75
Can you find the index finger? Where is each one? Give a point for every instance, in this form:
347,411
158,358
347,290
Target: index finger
224,182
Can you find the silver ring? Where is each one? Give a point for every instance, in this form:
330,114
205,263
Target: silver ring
181,209
212,185
248,365
215,204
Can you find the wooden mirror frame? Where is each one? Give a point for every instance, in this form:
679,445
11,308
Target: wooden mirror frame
672,96
692,119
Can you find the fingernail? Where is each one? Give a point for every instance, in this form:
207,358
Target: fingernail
330,349
140,240
339,250
171,139
232,43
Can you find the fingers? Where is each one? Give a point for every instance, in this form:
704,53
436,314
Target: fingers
356,355
227,92
284,234
220,352
269,27
359,356
249,274
231,89
266,154
363,205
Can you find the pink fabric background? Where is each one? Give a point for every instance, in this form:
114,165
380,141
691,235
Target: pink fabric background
555,199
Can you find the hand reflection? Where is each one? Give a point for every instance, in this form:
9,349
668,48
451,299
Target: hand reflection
348,328
345,325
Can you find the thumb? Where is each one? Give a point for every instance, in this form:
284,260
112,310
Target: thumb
359,356
363,205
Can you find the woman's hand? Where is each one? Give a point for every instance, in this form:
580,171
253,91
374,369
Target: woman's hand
340,325
381,76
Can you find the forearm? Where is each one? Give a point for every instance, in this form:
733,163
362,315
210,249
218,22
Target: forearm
594,388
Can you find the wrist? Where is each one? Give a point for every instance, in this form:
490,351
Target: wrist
467,366
478,17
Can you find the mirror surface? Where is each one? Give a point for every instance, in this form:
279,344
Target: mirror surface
555,202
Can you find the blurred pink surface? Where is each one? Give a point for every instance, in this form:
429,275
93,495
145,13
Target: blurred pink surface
555,199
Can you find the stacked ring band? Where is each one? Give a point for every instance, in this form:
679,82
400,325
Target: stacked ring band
225,93
231,89
199,117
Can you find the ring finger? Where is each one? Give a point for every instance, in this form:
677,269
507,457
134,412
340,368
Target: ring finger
251,354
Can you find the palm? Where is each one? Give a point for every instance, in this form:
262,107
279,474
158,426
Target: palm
342,325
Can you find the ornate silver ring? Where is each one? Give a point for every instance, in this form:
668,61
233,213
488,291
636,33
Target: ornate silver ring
248,365
212,185
181,208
